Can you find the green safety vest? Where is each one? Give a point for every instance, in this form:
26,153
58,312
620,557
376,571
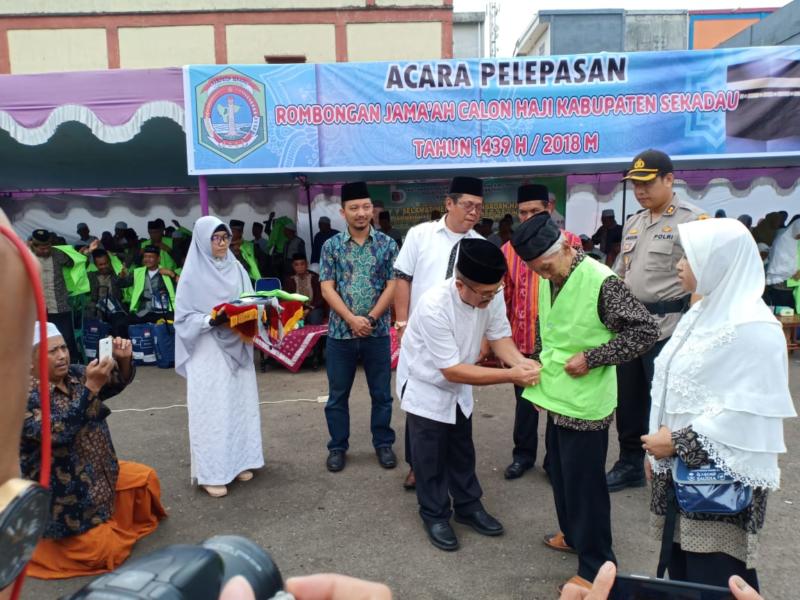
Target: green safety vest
138,287
249,254
75,275
166,260
568,326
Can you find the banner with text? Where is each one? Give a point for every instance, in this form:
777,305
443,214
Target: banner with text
418,115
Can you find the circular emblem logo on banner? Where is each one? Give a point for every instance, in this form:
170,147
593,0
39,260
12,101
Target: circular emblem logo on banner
232,119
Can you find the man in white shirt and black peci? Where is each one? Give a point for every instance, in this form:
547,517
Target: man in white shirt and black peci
440,347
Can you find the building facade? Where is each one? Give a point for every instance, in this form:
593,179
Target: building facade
52,35
617,30
781,28
469,34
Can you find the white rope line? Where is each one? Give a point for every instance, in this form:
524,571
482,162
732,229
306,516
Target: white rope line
318,400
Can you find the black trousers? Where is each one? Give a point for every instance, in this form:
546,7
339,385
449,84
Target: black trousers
444,464
526,429
578,476
407,450
712,568
633,403
66,326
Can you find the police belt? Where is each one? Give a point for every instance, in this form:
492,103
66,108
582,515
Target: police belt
665,307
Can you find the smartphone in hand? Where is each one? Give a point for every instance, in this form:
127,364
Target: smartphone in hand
641,587
105,349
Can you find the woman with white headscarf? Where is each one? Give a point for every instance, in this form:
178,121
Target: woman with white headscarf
721,384
224,419
783,266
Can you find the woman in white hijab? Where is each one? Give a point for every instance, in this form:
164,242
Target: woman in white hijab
723,382
224,419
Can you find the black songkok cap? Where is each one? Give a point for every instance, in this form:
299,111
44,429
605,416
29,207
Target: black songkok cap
237,224
535,236
480,261
41,235
466,185
533,191
151,250
152,225
356,190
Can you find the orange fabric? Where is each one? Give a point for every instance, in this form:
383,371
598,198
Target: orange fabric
285,321
137,511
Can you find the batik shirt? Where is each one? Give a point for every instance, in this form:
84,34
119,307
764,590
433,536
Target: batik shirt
84,466
360,275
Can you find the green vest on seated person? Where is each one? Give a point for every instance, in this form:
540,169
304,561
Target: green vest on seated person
568,326
166,260
139,275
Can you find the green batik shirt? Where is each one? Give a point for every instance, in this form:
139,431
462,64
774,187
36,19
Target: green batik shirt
360,274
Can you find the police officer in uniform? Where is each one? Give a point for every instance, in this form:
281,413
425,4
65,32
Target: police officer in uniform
647,263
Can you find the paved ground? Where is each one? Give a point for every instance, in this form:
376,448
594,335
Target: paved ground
361,522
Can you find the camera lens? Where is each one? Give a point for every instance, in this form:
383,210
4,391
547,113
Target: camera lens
243,557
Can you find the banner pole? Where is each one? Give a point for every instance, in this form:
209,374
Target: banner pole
310,220
203,195
624,193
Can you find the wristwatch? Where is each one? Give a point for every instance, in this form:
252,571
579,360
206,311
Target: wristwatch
372,322
24,512
400,324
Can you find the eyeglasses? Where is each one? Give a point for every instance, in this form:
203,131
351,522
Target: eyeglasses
485,295
220,239
469,207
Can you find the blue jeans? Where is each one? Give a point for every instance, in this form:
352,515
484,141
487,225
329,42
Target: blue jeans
341,361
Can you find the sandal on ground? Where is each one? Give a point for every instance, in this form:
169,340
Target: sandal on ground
244,476
216,491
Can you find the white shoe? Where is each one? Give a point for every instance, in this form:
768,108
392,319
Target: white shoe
216,491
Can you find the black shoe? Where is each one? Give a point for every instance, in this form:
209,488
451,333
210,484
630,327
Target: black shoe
335,460
517,469
386,457
624,475
442,536
482,522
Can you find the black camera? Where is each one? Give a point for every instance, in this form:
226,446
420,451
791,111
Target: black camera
190,572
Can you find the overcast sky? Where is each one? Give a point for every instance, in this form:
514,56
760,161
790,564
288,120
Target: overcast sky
515,15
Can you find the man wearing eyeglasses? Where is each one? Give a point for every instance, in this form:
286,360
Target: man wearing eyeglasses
435,377
428,256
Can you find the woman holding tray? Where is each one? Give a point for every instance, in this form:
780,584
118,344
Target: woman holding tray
224,418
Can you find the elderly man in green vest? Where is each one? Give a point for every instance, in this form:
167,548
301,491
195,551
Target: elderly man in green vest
244,250
155,229
153,296
588,322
